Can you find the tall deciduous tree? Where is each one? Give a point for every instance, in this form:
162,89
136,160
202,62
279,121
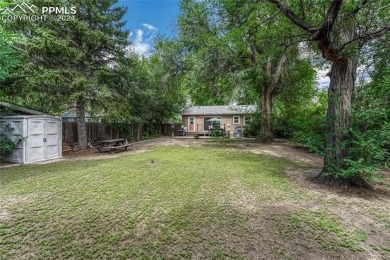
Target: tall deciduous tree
340,32
225,40
209,60
267,56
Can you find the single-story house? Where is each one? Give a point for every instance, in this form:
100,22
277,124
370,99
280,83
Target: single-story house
196,119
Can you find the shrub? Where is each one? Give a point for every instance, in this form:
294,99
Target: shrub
253,129
312,141
303,121
368,150
368,141
7,146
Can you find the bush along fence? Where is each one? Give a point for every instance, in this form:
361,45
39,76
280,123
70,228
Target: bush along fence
132,132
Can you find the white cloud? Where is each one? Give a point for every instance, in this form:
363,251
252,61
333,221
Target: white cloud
142,40
139,36
138,45
149,26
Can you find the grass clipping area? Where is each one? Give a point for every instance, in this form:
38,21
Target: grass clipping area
172,202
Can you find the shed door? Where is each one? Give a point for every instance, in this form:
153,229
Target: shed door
52,139
35,150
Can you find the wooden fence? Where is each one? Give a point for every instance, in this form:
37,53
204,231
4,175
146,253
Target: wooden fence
132,132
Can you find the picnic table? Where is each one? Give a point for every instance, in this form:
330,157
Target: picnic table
111,145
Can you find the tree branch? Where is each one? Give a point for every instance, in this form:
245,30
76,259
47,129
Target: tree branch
254,50
278,71
261,23
316,33
331,15
365,37
292,16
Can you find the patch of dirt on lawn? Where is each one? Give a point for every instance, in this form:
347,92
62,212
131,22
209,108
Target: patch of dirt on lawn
288,151
4,215
240,197
12,200
7,202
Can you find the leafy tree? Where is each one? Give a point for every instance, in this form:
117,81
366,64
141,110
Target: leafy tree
165,70
9,58
302,118
340,29
151,86
231,55
209,62
11,55
69,60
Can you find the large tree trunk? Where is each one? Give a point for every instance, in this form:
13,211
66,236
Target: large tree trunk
342,82
81,126
266,131
272,73
333,43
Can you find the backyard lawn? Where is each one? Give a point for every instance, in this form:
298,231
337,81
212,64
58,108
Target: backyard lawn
210,201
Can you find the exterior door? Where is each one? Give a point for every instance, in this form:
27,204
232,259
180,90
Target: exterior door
191,124
207,123
35,148
51,139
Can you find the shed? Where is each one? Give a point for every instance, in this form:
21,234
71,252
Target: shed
40,133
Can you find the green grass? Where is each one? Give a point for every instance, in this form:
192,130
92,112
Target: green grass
171,202
317,227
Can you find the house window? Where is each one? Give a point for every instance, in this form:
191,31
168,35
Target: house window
236,120
247,120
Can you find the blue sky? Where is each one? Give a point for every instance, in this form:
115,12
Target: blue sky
148,18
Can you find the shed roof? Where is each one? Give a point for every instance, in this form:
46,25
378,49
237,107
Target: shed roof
8,109
219,110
